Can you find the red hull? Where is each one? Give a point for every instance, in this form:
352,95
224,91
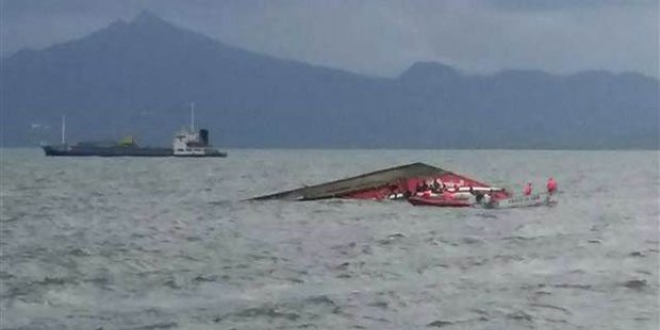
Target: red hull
439,202
393,183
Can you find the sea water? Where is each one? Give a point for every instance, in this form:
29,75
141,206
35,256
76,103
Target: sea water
135,243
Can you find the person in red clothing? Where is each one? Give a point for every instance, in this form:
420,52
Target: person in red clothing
528,189
552,186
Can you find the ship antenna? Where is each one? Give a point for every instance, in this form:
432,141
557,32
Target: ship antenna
63,129
192,117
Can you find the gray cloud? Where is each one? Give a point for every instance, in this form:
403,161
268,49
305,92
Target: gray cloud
554,5
381,37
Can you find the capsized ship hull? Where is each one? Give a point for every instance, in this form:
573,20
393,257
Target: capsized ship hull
393,183
411,182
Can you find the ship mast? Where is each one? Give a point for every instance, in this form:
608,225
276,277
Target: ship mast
192,117
63,129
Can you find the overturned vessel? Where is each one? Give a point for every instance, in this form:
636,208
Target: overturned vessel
399,182
421,185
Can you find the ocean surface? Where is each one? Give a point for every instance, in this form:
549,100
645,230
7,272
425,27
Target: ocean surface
131,243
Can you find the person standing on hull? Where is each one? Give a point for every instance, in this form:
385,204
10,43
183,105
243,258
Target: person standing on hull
421,186
552,186
437,186
487,198
478,195
528,189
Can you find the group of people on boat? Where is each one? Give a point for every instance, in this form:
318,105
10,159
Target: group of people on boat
436,186
551,187
450,191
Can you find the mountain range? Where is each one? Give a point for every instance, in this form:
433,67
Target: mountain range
138,78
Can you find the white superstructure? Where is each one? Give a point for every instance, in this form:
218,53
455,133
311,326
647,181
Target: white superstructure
191,143
187,143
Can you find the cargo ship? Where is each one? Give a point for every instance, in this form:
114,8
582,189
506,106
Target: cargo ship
186,143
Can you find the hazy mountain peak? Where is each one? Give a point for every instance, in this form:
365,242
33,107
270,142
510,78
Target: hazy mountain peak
120,23
429,70
149,22
140,75
603,74
147,17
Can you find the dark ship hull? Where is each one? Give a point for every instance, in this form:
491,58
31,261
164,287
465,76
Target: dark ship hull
119,151
188,144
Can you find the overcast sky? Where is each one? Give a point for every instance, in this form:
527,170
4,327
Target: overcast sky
380,37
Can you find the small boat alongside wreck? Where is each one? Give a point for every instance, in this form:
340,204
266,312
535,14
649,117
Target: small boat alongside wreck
534,200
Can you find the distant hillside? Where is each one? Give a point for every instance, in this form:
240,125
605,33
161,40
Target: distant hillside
139,77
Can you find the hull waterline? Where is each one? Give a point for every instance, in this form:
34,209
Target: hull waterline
75,151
